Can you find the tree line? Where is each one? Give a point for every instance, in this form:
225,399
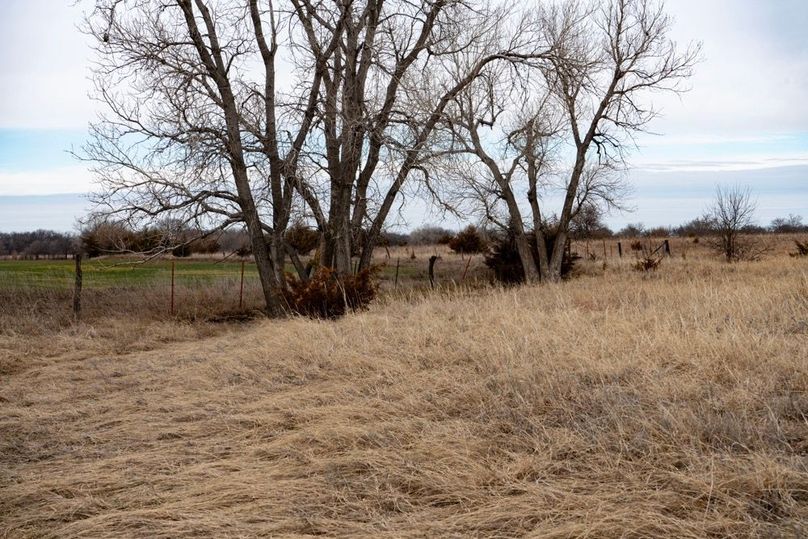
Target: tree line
111,238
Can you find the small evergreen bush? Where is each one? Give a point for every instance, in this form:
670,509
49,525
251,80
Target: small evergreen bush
469,241
504,261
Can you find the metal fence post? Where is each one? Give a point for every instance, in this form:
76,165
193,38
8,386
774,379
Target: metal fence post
241,288
77,289
172,288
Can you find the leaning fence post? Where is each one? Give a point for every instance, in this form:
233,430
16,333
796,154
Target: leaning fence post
172,288
241,287
77,289
466,269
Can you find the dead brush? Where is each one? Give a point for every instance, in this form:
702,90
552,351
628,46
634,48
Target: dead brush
647,263
802,248
326,295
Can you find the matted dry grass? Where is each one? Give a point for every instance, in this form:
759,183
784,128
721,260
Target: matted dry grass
626,405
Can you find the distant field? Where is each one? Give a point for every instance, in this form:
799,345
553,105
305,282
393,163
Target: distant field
36,295
107,273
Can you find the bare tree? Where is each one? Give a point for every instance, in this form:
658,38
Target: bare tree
732,211
616,53
563,121
192,128
223,112
510,133
378,109
228,112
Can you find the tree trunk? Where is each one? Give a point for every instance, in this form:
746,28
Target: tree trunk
266,273
557,258
518,228
337,251
526,257
278,253
541,248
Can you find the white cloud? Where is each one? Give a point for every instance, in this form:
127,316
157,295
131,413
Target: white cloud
44,65
721,166
74,179
709,139
753,76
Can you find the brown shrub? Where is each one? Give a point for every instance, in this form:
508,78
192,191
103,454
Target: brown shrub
302,238
326,295
504,261
469,240
802,248
647,263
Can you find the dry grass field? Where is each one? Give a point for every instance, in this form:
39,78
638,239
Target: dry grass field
618,404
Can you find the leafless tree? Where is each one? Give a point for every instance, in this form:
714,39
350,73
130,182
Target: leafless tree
194,127
613,58
570,127
222,112
732,211
398,66
225,113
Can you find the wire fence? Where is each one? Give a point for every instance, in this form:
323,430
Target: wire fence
209,288
182,288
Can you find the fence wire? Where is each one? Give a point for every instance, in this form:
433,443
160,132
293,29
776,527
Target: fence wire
186,288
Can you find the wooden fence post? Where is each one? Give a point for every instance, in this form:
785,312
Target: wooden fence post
398,262
619,249
463,278
432,260
77,289
667,248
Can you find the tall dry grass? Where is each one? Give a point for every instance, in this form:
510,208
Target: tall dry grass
620,404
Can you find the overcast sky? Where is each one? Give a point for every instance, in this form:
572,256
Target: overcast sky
745,119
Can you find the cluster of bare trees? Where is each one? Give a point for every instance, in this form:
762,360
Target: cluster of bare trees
260,112
37,243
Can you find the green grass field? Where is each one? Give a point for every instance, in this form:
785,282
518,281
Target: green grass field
122,272
116,273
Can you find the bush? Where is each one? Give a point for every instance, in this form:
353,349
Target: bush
205,245
469,240
802,248
325,295
181,251
302,238
504,259
632,231
636,245
647,263
789,225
